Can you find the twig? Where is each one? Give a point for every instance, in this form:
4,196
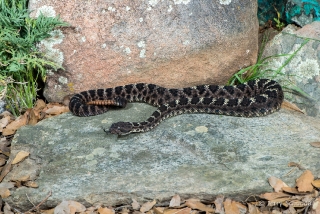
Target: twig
38,206
30,200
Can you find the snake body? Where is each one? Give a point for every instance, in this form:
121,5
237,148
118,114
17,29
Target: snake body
252,99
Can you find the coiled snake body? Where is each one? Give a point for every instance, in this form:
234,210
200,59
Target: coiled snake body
252,99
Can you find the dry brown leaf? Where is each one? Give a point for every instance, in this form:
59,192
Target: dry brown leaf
6,113
315,144
51,211
291,106
33,118
5,147
185,210
147,206
316,206
4,189
218,202
7,209
233,207
124,211
12,127
135,205
69,207
196,204
23,178
293,190
158,210
20,157
4,193
276,183
105,210
40,104
253,209
55,110
31,184
6,169
316,183
273,195
304,181
175,201
3,161
4,122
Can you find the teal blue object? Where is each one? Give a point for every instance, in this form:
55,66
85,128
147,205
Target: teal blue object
267,10
295,8
290,11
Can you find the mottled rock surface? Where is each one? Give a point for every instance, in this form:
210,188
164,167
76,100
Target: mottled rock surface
195,155
171,43
302,73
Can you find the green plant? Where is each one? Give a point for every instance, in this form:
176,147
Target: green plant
258,70
279,25
20,60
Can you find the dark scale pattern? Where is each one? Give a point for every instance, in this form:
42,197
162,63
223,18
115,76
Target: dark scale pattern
255,98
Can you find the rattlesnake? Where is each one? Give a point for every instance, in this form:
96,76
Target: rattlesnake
254,98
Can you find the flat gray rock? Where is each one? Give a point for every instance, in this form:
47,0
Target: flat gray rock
302,73
194,155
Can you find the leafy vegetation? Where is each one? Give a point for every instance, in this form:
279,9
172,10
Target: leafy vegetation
21,63
259,69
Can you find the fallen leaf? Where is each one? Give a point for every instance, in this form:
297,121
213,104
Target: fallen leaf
6,169
253,209
147,206
4,192
291,106
69,207
23,178
175,201
276,183
218,202
12,127
316,206
233,207
51,211
40,104
105,210
124,211
7,209
4,189
32,118
4,122
20,157
55,110
315,144
3,161
135,205
5,113
158,210
185,210
5,146
31,184
304,181
316,183
273,195
196,204
292,190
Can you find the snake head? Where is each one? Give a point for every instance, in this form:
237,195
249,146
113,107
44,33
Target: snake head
121,128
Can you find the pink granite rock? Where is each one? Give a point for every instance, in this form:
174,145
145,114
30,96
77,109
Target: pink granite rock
172,43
